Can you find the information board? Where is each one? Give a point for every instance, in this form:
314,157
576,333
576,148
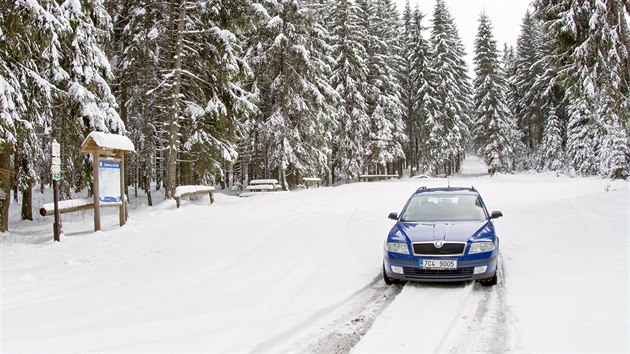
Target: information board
109,181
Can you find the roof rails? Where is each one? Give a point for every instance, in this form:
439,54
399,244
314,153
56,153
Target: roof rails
424,188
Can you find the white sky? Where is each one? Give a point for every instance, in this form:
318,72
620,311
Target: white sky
506,17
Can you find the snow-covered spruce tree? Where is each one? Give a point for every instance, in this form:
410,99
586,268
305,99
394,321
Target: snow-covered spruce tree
551,151
349,79
29,63
296,114
321,47
408,85
494,130
90,104
387,130
591,56
414,77
550,97
200,88
581,137
449,113
426,96
528,67
508,62
135,52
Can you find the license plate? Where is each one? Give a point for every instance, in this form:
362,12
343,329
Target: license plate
438,264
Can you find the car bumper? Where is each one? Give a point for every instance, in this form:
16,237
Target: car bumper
411,270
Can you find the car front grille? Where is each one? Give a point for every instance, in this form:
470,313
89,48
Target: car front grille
447,249
417,272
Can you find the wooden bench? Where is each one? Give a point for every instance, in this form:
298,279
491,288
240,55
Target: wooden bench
72,205
367,178
192,190
314,180
263,185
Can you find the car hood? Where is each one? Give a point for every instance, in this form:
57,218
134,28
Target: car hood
448,231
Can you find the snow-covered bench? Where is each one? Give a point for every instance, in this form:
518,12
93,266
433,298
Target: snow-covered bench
71,205
312,180
192,190
367,178
263,185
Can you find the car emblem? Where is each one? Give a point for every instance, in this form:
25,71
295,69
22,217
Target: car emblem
438,244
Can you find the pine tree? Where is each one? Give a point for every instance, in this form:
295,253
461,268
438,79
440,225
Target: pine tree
449,114
136,67
387,133
591,56
551,147
349,79
90,104
495,129
29,64
551,101
295,111
581,137
526,107
415,87
408,84
425,94
379,20
200,89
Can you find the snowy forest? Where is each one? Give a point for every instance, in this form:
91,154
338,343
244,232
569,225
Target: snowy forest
226,91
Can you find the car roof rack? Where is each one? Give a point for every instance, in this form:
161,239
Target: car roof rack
421,189
472,188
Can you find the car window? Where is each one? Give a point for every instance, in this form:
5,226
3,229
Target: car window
444,208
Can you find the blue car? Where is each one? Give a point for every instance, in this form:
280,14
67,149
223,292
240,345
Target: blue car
442,235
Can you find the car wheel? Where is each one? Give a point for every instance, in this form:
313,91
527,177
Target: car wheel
490,281
388,280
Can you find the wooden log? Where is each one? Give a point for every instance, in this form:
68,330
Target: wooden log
49,212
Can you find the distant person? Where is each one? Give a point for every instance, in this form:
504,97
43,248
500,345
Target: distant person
494,164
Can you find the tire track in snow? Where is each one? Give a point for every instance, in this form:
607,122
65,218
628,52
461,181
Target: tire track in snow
336,329
482,324
457,318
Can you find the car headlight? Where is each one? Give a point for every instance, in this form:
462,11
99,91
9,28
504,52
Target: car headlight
397,247
484,246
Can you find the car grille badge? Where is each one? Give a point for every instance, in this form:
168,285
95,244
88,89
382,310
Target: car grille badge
438,244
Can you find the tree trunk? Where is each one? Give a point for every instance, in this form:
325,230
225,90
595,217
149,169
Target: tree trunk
173,119
6,181
283,178
16,175
27,203
185,168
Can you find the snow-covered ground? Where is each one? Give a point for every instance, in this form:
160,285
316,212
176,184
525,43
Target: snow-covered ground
300,271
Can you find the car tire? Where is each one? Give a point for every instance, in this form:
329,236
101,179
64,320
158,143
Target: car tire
386,279
490,281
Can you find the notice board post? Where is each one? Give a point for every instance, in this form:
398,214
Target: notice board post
108,169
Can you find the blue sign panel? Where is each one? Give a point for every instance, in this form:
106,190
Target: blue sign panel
109,181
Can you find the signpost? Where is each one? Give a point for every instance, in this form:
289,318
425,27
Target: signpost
56,177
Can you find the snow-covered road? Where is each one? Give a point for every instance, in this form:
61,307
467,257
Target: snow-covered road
299,271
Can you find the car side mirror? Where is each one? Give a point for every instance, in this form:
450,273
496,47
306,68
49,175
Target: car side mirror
393,215
496,215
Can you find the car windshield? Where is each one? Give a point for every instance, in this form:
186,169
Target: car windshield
427,208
